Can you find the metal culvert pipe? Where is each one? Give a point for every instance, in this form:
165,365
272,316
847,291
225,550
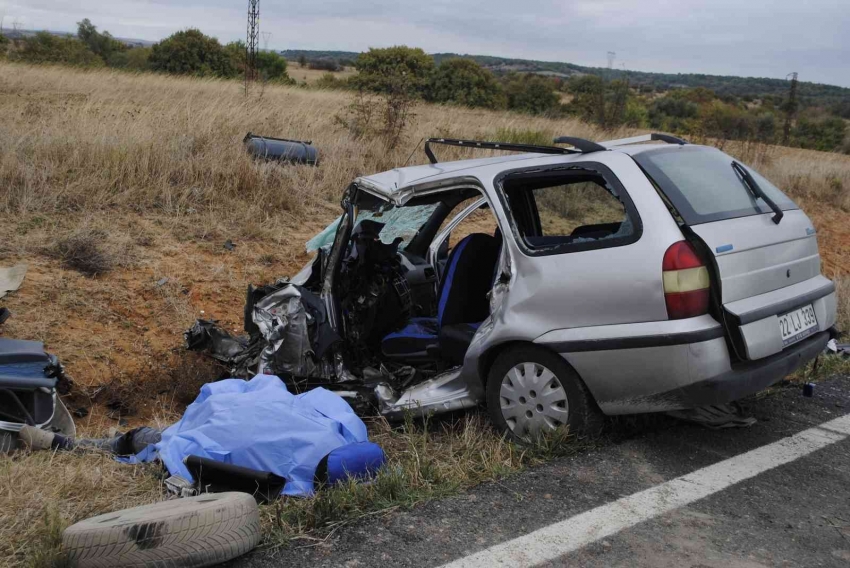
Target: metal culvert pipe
281,150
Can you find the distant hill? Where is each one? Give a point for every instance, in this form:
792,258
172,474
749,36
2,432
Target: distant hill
29,33
810,94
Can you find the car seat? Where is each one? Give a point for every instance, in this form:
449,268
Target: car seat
462,306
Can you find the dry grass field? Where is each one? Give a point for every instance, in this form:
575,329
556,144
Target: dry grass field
147,176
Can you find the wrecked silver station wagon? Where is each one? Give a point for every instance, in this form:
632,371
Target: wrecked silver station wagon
618,277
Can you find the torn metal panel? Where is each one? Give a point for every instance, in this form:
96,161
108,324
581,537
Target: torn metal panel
444,393
240,354
282,321
11,278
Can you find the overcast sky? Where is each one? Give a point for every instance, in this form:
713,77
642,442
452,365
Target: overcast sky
762,38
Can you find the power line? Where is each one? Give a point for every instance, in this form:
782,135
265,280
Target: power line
252,43
790,108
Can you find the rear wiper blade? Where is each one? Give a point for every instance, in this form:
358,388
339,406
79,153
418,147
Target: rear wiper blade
750,183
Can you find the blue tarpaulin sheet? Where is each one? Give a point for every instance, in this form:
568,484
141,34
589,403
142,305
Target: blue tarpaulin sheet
261,425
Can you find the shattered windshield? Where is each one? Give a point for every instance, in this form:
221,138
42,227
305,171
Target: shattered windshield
402,222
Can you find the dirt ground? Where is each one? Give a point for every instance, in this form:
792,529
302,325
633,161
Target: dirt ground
119,334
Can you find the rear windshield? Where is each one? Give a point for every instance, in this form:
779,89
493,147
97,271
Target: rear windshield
702,185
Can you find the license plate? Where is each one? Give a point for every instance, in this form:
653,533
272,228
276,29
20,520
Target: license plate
797,325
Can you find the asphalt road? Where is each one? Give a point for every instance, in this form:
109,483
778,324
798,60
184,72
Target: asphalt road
794,514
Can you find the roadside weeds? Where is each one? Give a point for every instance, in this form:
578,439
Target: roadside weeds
427,459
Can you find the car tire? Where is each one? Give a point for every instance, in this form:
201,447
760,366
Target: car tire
534,404
190,532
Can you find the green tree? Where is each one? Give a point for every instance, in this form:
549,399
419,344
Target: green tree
534,94
190,52
394,69
101,44
236,52
48,48
464,82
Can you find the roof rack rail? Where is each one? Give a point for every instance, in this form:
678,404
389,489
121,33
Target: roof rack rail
508,147
586,146
655,136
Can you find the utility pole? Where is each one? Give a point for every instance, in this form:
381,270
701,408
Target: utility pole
252,43
266,36
790,108
611,56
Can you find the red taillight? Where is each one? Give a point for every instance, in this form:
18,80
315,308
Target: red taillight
686,282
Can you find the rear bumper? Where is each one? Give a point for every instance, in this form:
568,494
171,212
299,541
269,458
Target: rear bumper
673,375
753,376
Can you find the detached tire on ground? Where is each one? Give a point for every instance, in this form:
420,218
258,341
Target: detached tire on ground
190,532
531,389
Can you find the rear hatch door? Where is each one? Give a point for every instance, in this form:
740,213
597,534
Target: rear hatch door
771,289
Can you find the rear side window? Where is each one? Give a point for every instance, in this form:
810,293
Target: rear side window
583,208
569,210
702,185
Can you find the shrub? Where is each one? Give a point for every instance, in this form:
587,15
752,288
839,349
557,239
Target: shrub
84,252
48,48
137,59
605,103
725,122
530,93
272,67
672,113
323,65
384,116
826,134
191,53
636,115
465,82
330,81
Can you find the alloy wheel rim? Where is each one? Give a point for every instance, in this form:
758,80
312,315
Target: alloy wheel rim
532,399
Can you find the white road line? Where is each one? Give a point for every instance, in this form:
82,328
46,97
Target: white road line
574,533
